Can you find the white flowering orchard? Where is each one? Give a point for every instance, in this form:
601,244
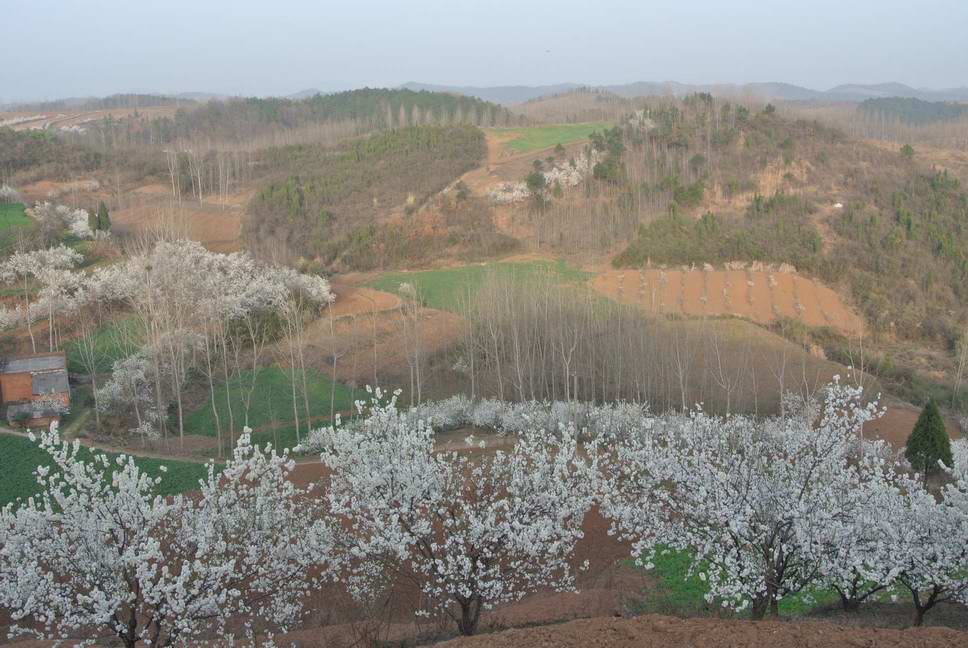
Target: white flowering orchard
98,551
478,531
766,508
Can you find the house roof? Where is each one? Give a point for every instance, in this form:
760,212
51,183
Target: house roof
29,364
47,383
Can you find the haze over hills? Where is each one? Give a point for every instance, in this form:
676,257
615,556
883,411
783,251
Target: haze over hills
767,90
512,94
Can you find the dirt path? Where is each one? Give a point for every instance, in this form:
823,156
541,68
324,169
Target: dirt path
193,444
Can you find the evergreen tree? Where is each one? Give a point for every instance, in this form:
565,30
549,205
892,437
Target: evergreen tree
928,443
92,220
103,218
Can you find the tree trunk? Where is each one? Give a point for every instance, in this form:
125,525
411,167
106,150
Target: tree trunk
760,605
470,615
849,603
918,616
766,602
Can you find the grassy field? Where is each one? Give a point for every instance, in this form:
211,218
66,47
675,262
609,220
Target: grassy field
536,138
271,405
110,346
12,218
13,215
22,456
679,593
444,289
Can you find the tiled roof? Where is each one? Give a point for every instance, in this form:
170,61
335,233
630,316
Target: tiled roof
34,363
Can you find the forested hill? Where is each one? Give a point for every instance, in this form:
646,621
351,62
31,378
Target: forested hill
324,202
911,110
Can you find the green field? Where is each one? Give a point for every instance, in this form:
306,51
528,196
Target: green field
13,215
271,413
112,342
536,138
21,456
679,593
12,218
445,289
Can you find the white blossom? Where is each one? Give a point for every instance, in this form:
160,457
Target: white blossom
747,498
478,532
97,549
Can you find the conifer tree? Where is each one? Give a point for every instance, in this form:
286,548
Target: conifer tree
103,218
928,443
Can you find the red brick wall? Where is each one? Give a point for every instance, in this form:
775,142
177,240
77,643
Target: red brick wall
16,387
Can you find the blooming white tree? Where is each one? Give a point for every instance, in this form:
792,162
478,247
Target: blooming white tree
8,194
746,498
476,532
188,302
596,421
98,549
49,267
849,546
58,217
926,543
128,393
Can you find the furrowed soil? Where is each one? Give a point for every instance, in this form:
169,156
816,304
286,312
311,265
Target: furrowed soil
761,295
654,631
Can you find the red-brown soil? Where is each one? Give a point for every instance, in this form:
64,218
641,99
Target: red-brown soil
216,226
372,339
652,631
76,193
760,295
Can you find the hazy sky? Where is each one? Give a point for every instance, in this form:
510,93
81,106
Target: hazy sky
57,48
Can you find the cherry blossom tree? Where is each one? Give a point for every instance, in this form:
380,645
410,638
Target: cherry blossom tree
745,497
97,549
128,394
188,302
22,268
926,543
849,546
474,532
8,194
55,218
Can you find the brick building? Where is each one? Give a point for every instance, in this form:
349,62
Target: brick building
34,389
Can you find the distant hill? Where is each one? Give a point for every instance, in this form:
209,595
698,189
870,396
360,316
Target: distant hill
328,87
911,110
497,94
129,100
768,90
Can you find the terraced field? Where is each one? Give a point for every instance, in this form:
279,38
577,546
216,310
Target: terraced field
761,295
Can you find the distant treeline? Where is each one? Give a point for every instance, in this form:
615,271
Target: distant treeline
103,103
912,111
239,120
